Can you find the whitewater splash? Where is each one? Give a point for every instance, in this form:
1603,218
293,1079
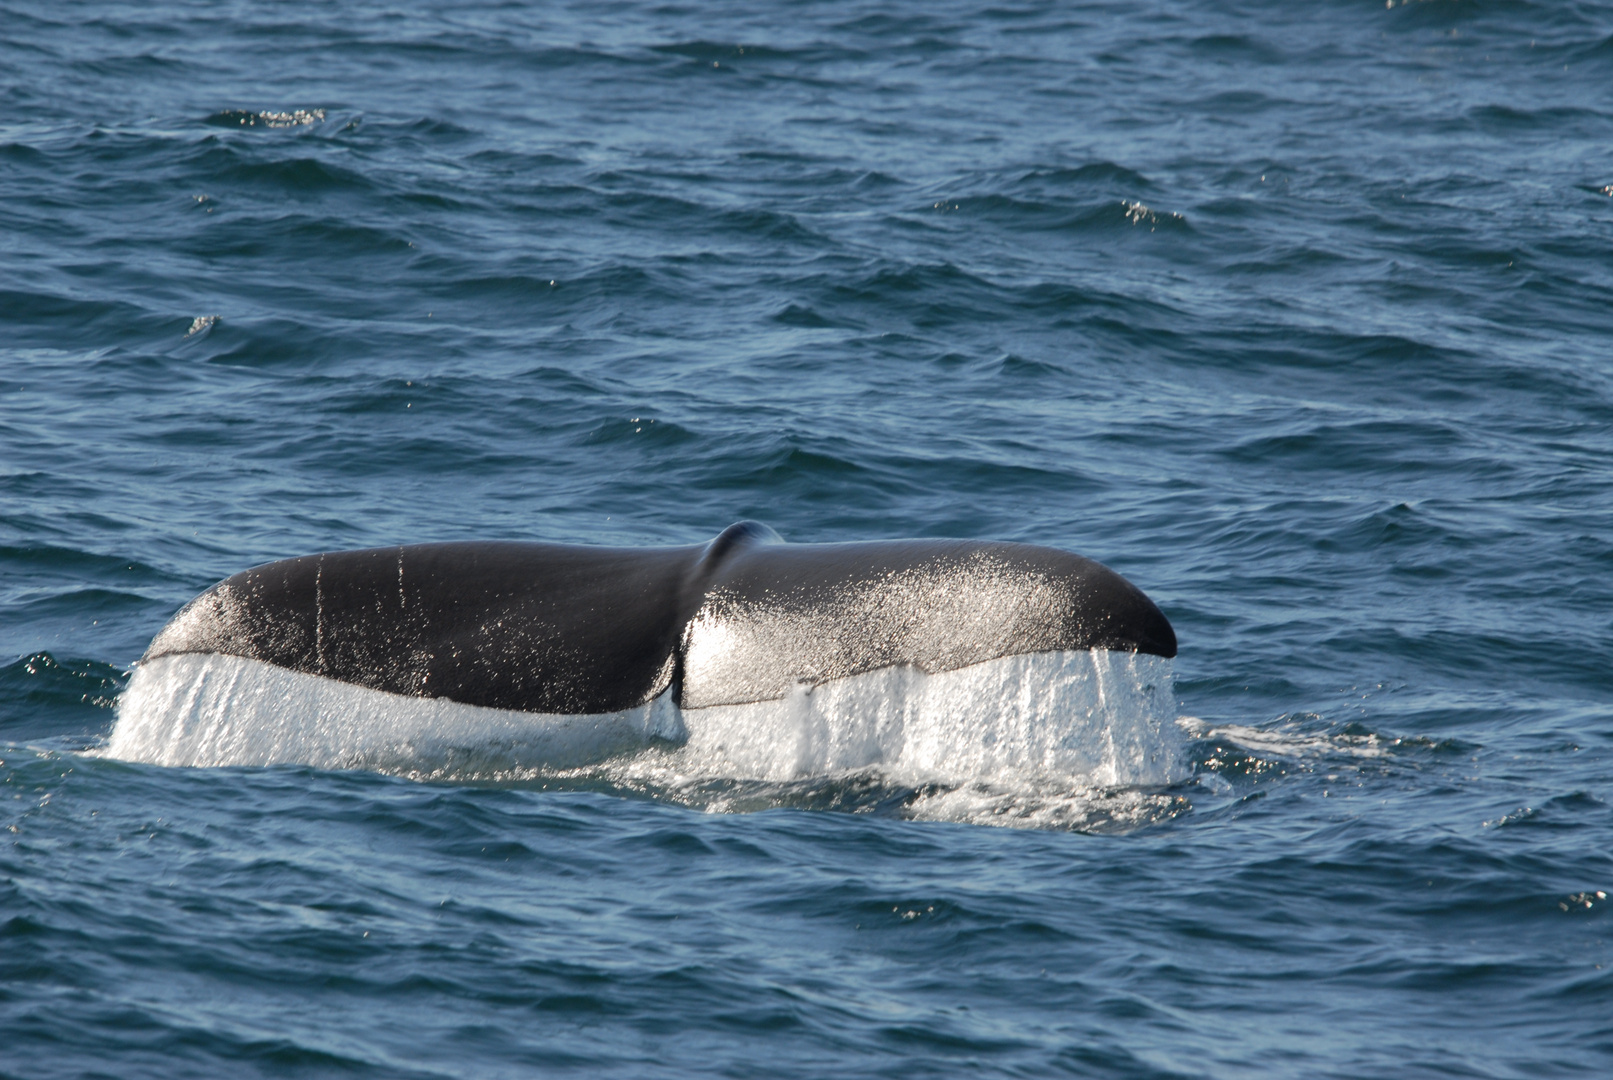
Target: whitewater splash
1030,739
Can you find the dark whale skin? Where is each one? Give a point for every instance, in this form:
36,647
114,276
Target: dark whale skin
571,629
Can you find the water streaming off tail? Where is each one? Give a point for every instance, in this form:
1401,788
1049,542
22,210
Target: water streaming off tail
1081,740
213,709
1047,739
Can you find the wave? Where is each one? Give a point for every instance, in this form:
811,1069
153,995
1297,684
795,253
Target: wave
1070,739
42,679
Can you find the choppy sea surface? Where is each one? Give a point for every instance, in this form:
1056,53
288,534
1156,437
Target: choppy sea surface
1298,315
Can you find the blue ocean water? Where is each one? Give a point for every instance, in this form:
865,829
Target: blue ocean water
1298,315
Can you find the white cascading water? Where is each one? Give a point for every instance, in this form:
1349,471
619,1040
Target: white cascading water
1015,739
213,709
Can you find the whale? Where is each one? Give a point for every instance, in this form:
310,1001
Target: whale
577,629
748,655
